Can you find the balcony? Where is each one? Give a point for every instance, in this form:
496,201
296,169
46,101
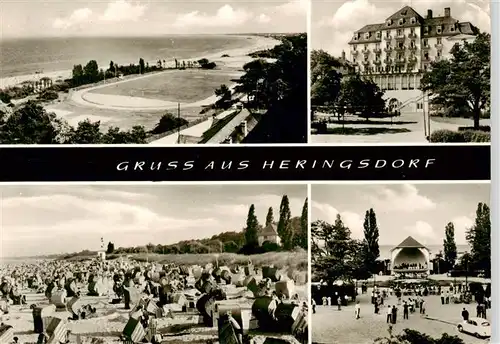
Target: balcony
400,37
439,45
377,50
412,35
366,63
400,48
388,38
377,62
412,59
388,61
365,51
354,52
412,48
426,47
400,61
388,49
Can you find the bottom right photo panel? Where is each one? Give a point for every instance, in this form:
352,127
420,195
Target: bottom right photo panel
401,263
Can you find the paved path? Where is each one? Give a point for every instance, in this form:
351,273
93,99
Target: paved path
340,327
416,133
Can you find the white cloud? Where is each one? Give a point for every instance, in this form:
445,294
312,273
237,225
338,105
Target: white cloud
328,213
225,16
263,19
422,231
294,8
122,10
78,17
461,224
405,199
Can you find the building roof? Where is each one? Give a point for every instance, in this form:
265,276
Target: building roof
406,13
269,230
410,242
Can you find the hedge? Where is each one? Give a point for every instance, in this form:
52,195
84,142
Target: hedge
449,136
485,128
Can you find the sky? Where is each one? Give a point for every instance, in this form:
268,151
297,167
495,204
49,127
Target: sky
333,23
418,210
36,18
38,220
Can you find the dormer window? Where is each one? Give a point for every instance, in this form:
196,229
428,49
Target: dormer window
378,34
367,35
452,28
426,30
389,22
413,20
439,29
401,21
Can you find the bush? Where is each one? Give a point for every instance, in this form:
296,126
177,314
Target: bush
48,95
449,136
167,123
485,128
270,247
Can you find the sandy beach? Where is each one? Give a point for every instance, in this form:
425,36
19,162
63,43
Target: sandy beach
234,59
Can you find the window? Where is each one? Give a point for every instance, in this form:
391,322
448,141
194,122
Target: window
367,35
389,22
413,44
413,20
378,34
401,45
400,32
401,21
355,47
354,60
426,29
426,56
452,28
426,43
440,41
439,53
439,29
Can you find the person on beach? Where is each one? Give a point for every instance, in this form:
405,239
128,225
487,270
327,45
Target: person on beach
389,314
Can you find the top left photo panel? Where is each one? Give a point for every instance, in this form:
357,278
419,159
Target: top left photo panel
153,72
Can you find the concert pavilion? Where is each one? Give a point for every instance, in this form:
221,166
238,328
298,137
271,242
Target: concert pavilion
410,259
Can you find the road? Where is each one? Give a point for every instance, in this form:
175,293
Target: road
340,327
415,130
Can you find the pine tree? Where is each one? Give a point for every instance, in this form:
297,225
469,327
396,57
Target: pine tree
301,238
449,245
284,225
269,217
479,238
251,231
370,244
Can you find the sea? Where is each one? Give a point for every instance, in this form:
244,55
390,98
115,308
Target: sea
43,55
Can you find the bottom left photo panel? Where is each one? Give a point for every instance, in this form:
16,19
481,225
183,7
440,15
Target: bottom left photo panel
154,263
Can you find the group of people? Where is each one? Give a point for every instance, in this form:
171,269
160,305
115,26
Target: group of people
410,266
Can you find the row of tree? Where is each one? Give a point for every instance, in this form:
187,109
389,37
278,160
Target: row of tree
335,255
32,124
292,231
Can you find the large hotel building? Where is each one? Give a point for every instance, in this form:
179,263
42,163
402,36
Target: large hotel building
394,54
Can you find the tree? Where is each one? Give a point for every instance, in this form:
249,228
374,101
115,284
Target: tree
78,75
361,97
116,136
479,239
224,95
91,71
141,66
269,217
111,66
370,244
86,132
31,124
284,228
251,230
449,245
463,82
202,62
111,248
301,236
334,254
169,122
325,78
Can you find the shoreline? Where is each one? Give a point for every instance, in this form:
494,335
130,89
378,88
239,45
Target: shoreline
258,43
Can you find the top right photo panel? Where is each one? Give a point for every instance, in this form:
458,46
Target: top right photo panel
400,71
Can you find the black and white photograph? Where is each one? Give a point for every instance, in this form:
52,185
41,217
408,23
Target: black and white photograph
157,72
401,263
154,264
401,71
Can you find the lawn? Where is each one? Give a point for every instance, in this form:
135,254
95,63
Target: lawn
184,86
